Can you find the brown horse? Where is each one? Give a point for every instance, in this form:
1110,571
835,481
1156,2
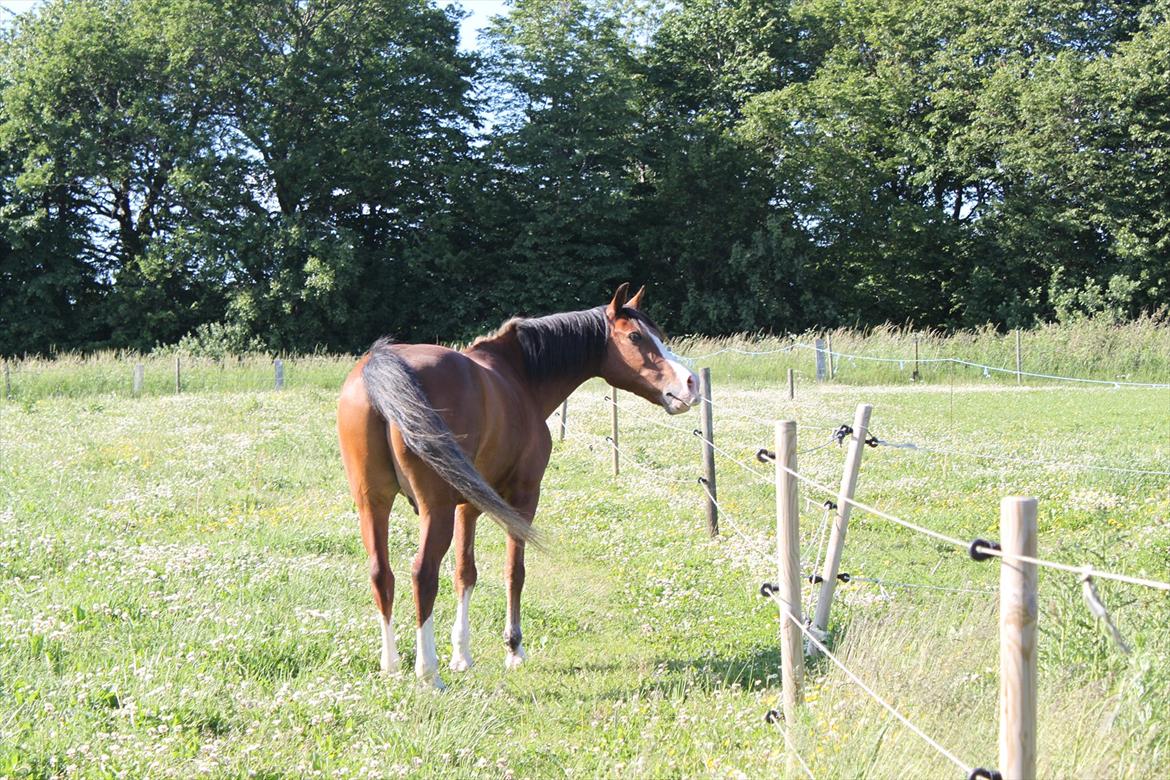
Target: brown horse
464,433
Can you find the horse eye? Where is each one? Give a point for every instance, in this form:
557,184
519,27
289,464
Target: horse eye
635,337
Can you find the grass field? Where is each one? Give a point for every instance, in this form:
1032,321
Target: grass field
183,591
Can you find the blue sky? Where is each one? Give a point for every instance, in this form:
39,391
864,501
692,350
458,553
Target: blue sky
481,12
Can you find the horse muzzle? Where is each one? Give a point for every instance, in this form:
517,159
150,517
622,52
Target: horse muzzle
678,403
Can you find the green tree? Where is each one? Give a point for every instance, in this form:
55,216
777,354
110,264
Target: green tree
561,78
347,120
102,122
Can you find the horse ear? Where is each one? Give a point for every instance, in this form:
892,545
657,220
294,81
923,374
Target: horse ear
636,301
619,300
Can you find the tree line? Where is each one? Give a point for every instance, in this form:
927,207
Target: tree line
301,174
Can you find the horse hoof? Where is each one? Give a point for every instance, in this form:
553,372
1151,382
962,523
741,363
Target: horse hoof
460,664
389,665
514,660
433,682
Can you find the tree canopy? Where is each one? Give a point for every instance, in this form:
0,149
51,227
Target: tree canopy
301,174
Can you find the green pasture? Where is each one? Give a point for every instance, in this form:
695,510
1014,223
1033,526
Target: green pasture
183,591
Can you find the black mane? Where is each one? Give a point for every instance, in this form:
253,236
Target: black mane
560,344
564,344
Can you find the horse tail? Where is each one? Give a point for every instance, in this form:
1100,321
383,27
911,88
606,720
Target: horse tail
394,390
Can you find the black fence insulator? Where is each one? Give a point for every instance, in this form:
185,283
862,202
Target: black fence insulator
844,576
765,456
772,716
978,546
845,431
815,579
702,481
767,589
830,505
986,774
697,432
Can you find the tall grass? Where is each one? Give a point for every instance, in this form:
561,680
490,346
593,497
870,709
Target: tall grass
1138,351
1093,349
112,374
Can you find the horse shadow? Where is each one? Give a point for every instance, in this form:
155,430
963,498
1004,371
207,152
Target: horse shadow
755,668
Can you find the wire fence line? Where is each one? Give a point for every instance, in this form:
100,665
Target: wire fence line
966,545
825,423
792,748
963,766
764,557
977,548
937,360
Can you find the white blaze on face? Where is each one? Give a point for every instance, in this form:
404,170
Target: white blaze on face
426,659
461,634
389,648
682,378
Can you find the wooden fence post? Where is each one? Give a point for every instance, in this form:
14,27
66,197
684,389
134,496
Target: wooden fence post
788,562
832,368
819,344
916,376
139,376
178,376
278,367
564,418
708,431
614,429
791,385
1017,640
841,523
1019,360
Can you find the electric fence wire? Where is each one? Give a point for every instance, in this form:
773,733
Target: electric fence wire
914,446
729,457
765,557
785,614
1156,584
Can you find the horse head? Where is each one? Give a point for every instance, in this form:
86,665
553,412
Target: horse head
638,361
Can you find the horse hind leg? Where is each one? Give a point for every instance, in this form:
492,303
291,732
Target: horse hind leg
373,485
436,528
466,575
373,524
514,579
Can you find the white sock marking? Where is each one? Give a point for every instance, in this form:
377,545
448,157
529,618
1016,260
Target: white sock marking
389,648
426,660
461,634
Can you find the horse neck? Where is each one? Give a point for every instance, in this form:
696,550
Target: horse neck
548,393
551,393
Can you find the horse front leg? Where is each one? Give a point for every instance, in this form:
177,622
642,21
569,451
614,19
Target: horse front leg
514,580
465,577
